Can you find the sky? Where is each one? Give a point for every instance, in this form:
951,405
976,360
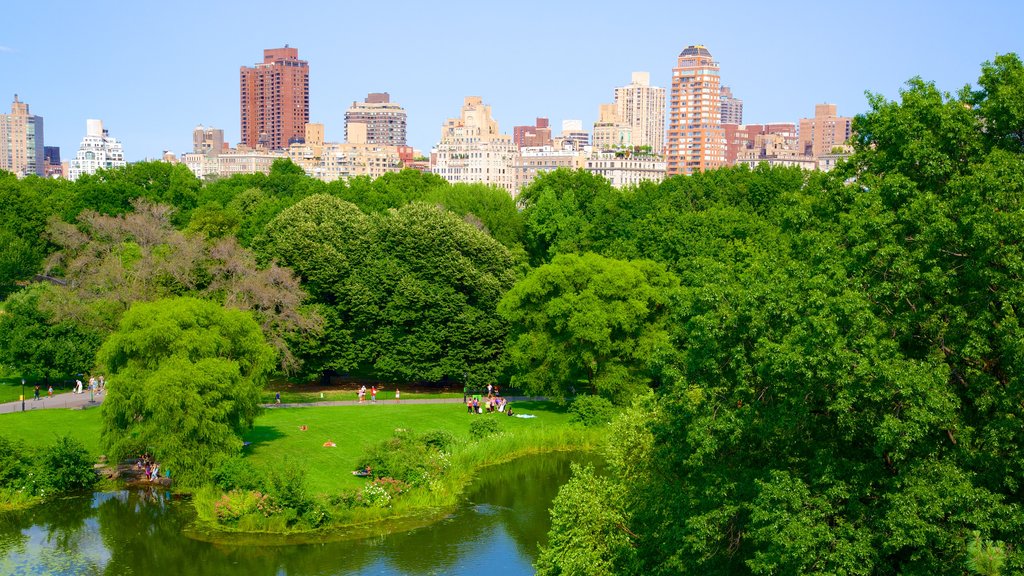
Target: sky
153,71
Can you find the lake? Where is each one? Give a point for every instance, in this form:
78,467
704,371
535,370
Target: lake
496,530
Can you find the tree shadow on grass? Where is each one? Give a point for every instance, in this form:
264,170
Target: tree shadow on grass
546,405
260,435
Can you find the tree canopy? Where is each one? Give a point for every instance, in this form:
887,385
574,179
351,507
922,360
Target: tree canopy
184,381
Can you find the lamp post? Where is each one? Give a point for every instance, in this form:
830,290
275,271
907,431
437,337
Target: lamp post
22,394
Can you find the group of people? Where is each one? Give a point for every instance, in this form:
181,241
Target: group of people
150,469
49,392
491,403
95,385
361,392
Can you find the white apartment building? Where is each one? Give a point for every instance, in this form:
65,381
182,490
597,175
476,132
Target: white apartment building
472,150
624,169
97,150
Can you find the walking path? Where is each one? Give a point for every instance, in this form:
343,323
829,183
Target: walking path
391,401
82,401
65,400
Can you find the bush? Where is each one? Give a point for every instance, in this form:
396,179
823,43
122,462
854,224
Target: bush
591,410
288,489
15,464
440,440
66,466
481,427
238,473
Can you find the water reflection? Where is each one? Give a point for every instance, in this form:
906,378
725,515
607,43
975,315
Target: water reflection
495,531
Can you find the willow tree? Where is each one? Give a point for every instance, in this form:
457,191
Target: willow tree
184,382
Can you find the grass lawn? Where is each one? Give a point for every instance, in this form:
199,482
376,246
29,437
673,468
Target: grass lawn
277,437
334,394
10,389
41,428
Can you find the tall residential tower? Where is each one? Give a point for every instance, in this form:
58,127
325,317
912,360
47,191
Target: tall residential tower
696,140
275,99
642,107
21,141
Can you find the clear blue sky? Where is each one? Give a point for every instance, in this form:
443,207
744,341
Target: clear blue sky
153,71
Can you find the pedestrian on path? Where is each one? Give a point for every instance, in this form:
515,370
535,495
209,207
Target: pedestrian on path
373,394
37,392
49,392
398,396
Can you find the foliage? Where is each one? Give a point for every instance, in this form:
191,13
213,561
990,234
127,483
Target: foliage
66,466
848,392
185,377
15,464
288,488
558,212
590,323
588,535
985,557
40,343
591,410
408,294
110,262
405,457
482,427
237,473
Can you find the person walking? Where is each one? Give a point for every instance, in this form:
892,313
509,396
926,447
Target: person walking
362,393
373,394
49,391
398,395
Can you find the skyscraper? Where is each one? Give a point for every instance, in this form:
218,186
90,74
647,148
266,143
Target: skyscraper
642,107
21,141
696,140
275,99
384,120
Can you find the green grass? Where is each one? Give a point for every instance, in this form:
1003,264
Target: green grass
291,397
41,428
10,389
277,437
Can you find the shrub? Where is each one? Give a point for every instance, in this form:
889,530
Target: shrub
481,427
235,504
66,466
288,489
440,440
238,473
15,464
591,410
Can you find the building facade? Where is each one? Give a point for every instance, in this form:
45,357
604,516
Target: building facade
530,162
741,137
21,141
532,136
611,132
274,99
573,136
384,121
97,150
207,140
732,107
827,130
473,150
641,107
696,140
625,169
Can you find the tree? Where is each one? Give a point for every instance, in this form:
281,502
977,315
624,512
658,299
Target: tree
185,381
40,344
558,211
589,323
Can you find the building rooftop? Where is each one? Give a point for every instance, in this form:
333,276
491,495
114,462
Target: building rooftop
698,50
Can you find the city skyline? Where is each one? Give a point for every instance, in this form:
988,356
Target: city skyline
166,71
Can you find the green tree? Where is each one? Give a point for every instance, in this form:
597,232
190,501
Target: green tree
558,212
590,324
185,379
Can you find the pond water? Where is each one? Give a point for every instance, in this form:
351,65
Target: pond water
496,531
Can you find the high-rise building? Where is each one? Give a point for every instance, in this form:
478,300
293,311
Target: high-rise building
275,99
97,150
696,140
642,108
610,131
473,150
21,141
532,136
383,119
827,130
732,107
